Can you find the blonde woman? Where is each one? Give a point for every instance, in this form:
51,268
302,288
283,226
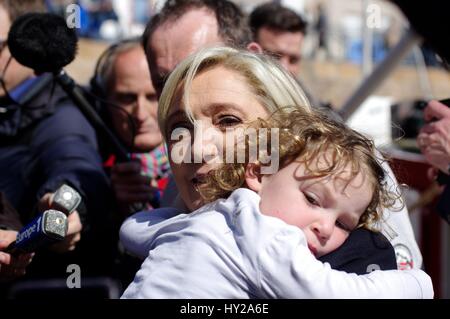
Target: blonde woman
210,95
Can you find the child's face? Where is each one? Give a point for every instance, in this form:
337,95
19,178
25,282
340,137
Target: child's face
325,208
220,99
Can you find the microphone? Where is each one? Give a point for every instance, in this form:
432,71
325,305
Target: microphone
51,226
66,199
44,43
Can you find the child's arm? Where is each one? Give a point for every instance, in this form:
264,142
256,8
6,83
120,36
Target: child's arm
136,232
287,269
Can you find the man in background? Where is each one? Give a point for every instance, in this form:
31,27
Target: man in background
47,142
129,106
280,32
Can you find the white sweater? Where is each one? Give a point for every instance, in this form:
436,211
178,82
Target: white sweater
395,225
228,249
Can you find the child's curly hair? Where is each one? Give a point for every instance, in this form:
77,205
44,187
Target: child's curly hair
304,137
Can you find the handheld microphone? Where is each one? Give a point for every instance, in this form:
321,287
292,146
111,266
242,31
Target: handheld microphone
66,199
44,43
51,226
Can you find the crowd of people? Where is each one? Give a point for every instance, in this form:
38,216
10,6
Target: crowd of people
190,226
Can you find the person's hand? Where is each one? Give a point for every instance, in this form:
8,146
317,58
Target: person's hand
73,232
11,266
434,137
129,185
7,236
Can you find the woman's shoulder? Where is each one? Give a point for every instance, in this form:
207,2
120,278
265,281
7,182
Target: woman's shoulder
147,218
136,231
163,213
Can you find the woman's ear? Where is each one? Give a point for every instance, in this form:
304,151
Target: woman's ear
253,177
254,47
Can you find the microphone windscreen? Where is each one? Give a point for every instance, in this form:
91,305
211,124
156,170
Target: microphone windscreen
42,42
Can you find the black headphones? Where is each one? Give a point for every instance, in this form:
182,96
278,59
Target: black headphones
98,82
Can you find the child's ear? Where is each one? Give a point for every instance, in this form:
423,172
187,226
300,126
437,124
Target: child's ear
253,177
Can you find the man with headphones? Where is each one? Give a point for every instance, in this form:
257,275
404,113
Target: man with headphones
45,141
128,103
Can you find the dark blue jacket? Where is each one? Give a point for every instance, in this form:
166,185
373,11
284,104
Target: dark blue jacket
45,143
363,252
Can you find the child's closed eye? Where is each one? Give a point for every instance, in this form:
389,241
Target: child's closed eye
343,226
311,198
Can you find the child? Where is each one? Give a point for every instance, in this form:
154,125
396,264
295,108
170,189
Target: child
263,240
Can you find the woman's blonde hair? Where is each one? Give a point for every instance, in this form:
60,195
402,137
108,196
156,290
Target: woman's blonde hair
272,85
304,138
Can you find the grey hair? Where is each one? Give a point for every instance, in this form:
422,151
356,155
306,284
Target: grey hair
106,63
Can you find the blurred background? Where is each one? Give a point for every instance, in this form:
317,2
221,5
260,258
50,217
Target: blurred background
345,41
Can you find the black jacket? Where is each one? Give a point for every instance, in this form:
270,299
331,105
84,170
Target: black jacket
363,252
46,141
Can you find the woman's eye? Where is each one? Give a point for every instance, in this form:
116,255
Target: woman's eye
228,121
311,199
